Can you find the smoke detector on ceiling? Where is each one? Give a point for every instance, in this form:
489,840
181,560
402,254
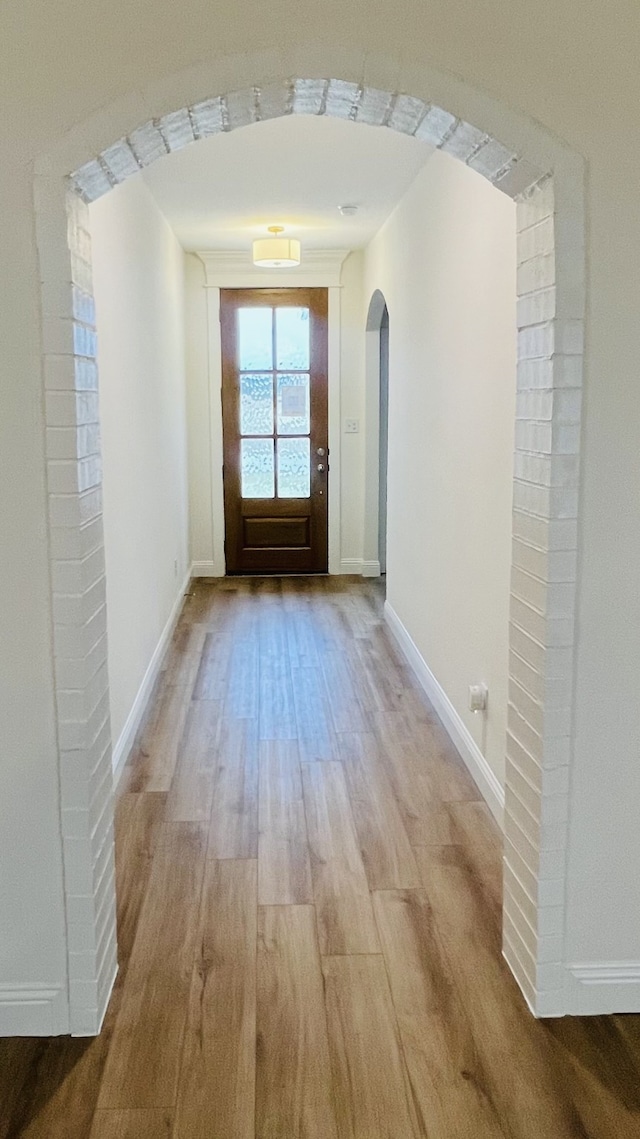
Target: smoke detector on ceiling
348,211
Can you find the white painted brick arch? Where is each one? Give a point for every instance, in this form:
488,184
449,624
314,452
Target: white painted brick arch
547,184
334,97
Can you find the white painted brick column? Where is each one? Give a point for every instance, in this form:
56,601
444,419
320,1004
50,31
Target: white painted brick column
543,597
79,605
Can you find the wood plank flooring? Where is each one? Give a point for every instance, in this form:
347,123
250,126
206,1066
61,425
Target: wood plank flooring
309,909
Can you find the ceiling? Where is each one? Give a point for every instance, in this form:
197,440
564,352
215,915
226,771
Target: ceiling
293,171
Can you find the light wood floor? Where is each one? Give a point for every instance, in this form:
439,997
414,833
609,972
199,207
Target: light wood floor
309,913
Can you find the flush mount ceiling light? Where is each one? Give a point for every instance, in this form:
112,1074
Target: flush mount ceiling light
276,252
348,210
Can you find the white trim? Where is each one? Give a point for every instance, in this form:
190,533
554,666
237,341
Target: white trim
488,783
349,565
361,566
595,988
34,1010
232,269
128,734
204,569
334,336
610,972
215,421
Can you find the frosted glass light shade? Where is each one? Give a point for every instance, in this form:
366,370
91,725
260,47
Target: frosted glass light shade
276,252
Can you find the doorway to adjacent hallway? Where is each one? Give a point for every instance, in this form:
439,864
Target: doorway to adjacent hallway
383,440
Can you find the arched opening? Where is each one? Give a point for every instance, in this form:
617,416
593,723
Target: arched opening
383,447
550,309
377,428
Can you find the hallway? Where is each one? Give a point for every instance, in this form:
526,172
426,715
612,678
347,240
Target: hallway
309,894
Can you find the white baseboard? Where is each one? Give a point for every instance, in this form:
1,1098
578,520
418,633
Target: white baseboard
597,988
128,734
350,565
204,569
488,783
360,566
34,1010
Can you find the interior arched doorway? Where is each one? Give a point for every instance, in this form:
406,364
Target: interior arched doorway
376,427
547,182
383,434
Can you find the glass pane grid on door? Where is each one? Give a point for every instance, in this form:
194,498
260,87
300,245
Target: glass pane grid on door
275,402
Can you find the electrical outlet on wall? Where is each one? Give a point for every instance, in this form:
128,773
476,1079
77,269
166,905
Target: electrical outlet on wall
351,426
478,697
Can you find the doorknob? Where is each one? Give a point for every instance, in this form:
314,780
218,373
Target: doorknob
320,466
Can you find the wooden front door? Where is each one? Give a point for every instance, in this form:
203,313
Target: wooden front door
274,405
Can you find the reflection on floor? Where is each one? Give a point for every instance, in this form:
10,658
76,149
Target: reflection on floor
309,913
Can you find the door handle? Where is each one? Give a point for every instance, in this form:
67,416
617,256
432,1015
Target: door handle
320,466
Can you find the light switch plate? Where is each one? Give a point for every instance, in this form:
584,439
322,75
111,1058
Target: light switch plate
351,426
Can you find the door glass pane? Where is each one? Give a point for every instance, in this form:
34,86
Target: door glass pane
292,338
256,404
293,405
256,465
294,468
255,343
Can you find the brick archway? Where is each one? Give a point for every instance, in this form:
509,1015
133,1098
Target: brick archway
337,98
546,182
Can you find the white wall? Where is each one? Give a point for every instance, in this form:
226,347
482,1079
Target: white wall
139,290
206,527
445,262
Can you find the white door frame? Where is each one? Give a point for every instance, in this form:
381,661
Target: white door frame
371,561
321,269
